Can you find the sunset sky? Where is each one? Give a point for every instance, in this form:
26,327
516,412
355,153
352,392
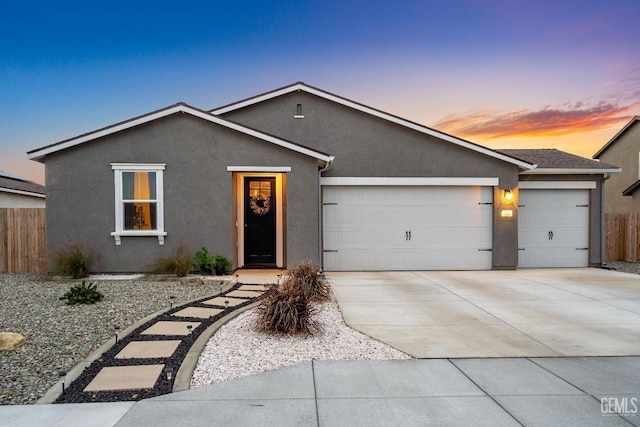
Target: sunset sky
504,73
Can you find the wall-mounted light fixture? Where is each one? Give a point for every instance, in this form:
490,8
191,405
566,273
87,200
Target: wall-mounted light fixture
508,196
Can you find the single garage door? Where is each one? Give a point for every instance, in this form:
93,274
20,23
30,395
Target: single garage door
407,228
553,228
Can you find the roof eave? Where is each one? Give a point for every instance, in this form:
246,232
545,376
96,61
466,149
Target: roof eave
631,189
22,192
40,154
612,140
570,171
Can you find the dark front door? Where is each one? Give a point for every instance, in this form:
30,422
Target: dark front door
259,222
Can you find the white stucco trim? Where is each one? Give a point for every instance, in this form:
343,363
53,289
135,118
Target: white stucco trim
119,232
39,154
411,181
280,169
569,171
136,167
239,177
557,185
377,113
23,193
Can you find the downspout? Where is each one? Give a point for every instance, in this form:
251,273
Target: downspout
603,263
328,166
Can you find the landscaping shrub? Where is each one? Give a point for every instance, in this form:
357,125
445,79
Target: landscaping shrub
178,264
313,284
83,294
204,262
221,265
74,261
285,309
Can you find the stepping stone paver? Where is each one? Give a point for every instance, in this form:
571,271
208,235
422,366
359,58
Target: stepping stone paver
138,377
170,328
246,294
260,288
125,378
200,312
220,301
148,349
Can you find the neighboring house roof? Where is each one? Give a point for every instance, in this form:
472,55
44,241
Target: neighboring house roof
616,136
629,190
13,184
552,161
300,86
40,153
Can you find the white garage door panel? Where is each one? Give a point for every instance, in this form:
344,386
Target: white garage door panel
365,228
553,228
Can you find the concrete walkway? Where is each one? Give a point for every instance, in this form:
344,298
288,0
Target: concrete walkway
523,313
448,392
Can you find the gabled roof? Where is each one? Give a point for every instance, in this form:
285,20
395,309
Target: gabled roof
300,86
39,154
13,184
552,161
616,136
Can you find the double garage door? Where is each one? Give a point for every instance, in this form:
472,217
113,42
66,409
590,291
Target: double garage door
553,228
448,228
407,228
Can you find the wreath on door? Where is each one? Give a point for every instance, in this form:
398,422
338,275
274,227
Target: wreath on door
260,205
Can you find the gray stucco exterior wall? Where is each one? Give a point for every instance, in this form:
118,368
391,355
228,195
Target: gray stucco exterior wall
625,153
198,192
367,146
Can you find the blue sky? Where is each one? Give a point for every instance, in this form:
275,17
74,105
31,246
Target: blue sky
563,74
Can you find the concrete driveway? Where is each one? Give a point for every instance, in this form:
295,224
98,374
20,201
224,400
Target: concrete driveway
523,313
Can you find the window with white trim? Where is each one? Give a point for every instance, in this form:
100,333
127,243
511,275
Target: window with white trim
139,203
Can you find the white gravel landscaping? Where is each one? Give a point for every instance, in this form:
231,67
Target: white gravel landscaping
237,350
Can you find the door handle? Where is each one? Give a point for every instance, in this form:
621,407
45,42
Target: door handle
409,234
406,235
550,235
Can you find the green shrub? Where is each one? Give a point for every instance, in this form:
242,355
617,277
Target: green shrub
307,276
221,265
204,262
285,309
178,264
83,294
74,261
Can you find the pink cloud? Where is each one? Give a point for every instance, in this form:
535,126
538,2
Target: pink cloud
547,121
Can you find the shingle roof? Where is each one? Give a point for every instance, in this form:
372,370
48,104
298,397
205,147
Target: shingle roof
19,184
551,158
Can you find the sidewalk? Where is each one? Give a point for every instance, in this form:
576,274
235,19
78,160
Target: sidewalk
581,391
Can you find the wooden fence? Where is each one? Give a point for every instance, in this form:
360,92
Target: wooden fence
622,237
22,240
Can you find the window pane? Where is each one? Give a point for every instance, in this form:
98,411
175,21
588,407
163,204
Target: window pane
140,216
259,188
139,186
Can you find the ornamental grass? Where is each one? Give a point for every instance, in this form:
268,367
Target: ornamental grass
285,309
311,281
